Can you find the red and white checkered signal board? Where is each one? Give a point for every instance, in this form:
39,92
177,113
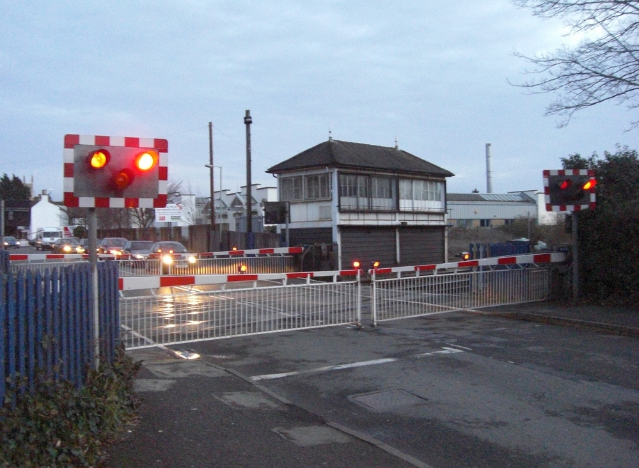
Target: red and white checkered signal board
76,144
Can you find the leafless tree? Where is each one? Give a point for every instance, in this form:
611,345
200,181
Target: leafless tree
603,67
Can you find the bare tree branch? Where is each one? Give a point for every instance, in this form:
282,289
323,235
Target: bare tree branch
601,69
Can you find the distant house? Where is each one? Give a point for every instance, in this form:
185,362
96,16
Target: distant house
374,202
45,213
230,208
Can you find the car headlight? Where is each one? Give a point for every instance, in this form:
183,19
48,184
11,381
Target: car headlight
67,248
139,256
192,259
167,259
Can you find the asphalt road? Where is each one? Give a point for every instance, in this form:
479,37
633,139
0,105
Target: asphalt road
459,390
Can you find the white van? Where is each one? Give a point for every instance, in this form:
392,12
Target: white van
45,237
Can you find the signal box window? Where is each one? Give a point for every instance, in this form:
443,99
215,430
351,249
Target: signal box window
291,189
317,187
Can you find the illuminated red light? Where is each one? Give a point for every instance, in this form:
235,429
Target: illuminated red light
98,159
590,184
146,160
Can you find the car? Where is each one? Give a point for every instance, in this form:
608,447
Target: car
83,247
112,245
172,255
11,242
65,245
138,249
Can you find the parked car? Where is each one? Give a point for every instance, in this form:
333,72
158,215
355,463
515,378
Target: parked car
11,242
172,255
138,249
83,247
65,245
112,245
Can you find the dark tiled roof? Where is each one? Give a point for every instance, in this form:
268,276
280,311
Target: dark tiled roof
343,154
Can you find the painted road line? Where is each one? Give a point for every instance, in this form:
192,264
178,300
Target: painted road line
459,346
351,365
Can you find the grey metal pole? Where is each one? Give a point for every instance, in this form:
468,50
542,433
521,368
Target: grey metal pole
575,257
219,239
2,224
249,222
93,260
288,220
212,237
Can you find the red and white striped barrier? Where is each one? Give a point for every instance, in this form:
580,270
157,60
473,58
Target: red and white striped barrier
154,282
229,253
553,257
243,253
45,257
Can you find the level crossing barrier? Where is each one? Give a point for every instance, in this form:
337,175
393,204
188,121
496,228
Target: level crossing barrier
207,307
270,260
404,292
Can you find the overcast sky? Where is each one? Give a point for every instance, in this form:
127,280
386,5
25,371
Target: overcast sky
433,74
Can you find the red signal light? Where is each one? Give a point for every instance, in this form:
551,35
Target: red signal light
146,161
98,159
565,184
123,179
375,264
356,264
590,184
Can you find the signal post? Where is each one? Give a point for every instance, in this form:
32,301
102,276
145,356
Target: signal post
571,190
112,172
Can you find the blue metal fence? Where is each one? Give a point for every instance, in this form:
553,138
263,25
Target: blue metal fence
498,250
46,323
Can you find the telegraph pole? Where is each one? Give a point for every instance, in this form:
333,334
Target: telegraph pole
212,237
249,221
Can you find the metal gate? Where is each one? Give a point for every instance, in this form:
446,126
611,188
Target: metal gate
433,289
266,304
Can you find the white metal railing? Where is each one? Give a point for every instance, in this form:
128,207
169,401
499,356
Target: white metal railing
254,307
423,295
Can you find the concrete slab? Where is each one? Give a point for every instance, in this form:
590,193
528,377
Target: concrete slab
183,369
250,400
309,436
152,385
387,400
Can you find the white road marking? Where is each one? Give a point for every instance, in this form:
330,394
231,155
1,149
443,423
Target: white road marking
351,365
458,346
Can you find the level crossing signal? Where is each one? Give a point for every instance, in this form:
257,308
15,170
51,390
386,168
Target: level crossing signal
569,189
115,172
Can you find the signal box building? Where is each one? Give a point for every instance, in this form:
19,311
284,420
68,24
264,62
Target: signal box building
375,203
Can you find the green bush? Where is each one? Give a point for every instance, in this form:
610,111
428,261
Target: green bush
59,425
609,234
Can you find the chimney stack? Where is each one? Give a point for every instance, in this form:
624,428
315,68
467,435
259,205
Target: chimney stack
489,172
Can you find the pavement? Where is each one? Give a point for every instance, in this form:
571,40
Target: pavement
195,413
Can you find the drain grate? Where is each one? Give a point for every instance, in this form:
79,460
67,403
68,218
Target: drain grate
387,400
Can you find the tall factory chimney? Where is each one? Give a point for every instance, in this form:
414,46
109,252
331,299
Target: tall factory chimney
489,172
